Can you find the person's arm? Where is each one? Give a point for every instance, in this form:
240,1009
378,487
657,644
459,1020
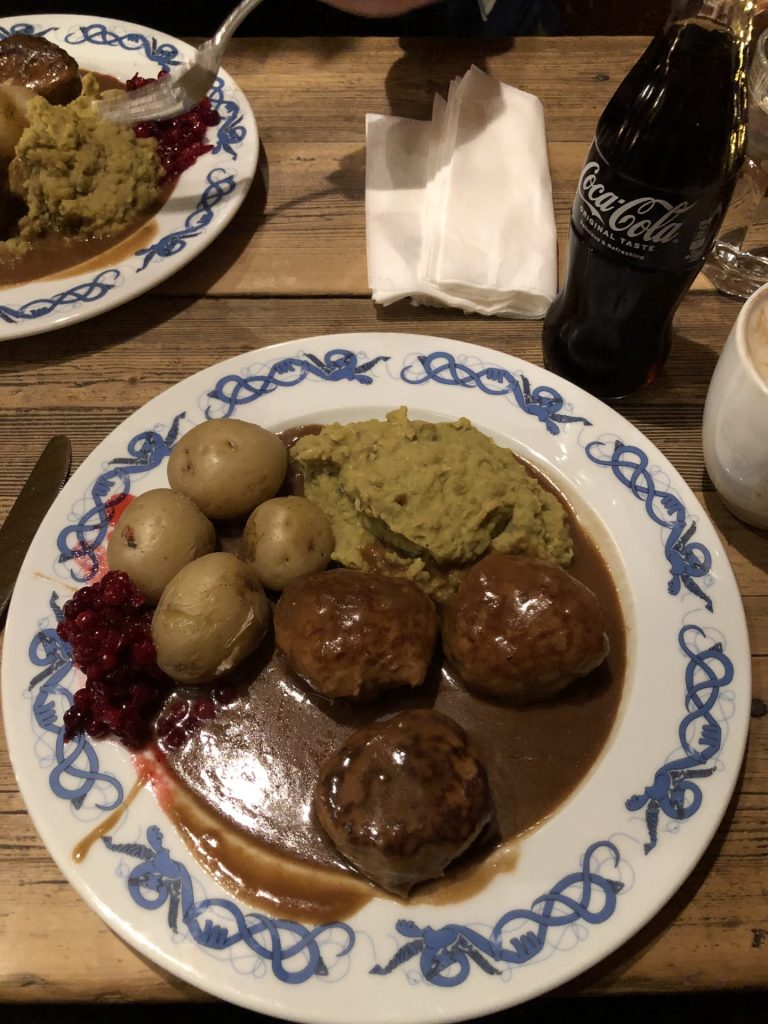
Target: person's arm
393,8
378,8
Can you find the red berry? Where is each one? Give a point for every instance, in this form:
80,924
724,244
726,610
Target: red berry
143,653
86,619
114,594
176,738
172,717
132,729
224,694
108,660
84,650
82,699
109,629
179,137
204,708
111,716
178,712
96,730
74,721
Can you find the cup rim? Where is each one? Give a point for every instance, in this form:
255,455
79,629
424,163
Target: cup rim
755,299
761,49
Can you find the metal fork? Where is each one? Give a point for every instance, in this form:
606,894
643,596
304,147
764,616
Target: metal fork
185,87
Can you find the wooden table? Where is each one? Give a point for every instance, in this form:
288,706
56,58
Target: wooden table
292,264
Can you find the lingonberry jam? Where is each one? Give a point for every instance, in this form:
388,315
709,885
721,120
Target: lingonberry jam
108,627
180,140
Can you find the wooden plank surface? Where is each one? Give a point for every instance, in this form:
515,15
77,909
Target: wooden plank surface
301,230
291,265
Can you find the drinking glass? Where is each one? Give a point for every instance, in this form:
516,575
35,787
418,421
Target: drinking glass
736,415
738,262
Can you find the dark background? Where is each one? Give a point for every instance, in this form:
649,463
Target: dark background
312,17
736,1008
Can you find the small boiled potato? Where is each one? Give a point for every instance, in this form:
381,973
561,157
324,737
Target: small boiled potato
285,538
159,533
228,467
211,616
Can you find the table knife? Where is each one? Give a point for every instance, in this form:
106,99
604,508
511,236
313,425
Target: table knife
17,532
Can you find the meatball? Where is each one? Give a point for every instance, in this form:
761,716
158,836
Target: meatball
521,630
40,66
355,634
403,798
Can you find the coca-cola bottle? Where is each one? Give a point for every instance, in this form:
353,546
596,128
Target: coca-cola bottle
650,198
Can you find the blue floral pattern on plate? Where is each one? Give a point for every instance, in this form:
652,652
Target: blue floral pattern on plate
25,28
220,183
545,403
446,953
293,950
74,767
339,364
80,542
672,792
164,55
687,562
84,291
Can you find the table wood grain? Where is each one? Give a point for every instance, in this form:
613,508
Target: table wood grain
292,265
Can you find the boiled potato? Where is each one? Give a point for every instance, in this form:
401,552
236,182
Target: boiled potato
285,538
211,616
159,533
228,467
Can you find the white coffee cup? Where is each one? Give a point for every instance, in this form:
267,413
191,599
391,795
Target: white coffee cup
736,415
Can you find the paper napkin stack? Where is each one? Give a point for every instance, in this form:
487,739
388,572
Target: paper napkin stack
459,210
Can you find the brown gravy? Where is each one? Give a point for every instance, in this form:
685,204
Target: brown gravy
56,255
245,803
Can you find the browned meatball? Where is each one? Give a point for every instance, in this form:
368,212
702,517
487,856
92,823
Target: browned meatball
39,65
355,634
520,629
403,798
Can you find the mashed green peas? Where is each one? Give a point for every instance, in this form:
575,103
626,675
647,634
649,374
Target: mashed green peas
79,175
426,500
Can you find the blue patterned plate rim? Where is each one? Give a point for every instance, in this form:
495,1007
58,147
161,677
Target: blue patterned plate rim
204,200
585,880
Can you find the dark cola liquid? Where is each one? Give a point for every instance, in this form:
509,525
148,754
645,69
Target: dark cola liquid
651,197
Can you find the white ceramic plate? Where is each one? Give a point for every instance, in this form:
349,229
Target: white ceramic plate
586,879
205,198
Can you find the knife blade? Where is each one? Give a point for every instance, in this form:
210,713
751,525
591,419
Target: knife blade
17,532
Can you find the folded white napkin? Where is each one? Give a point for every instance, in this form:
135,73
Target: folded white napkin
459,210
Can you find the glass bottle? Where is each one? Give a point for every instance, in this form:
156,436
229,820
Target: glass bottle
650,199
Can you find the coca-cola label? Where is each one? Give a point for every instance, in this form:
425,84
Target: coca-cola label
655,229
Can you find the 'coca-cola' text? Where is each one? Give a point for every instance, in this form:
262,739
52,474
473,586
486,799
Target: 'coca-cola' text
645,217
